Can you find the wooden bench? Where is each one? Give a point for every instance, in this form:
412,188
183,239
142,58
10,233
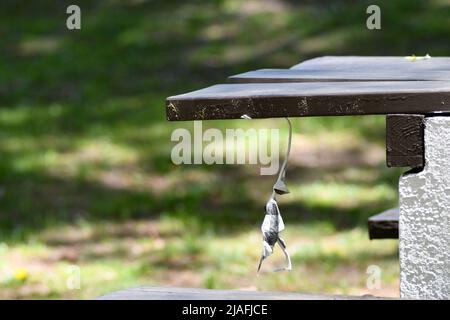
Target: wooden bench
170,293
414,96
384,225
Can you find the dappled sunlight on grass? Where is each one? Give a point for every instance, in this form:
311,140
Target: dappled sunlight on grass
42,45
340,196
114,256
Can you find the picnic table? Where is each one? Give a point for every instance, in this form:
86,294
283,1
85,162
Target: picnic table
326,86
414,94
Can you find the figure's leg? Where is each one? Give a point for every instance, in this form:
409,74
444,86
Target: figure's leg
282,245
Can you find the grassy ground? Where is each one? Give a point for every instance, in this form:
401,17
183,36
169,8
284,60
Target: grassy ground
85,171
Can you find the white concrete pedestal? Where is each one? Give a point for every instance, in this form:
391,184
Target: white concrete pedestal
424,222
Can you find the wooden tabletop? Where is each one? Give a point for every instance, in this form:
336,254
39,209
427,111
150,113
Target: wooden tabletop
326,86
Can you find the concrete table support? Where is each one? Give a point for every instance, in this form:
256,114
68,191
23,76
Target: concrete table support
424,221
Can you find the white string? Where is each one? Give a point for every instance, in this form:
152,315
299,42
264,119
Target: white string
282,172
281,175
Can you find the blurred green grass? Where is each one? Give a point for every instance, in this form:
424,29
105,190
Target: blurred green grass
85,170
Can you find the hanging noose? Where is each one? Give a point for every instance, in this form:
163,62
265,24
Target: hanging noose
273,222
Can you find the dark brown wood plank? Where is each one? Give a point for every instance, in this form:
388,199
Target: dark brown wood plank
384,225
321,75
171,293
359,63
268,100
405,140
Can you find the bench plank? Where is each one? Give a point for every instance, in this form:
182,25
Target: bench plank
170,293
268,100
405,140
384,225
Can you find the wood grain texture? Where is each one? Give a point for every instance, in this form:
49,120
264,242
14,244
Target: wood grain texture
169,293
322,75
384,225
405,140
268,100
